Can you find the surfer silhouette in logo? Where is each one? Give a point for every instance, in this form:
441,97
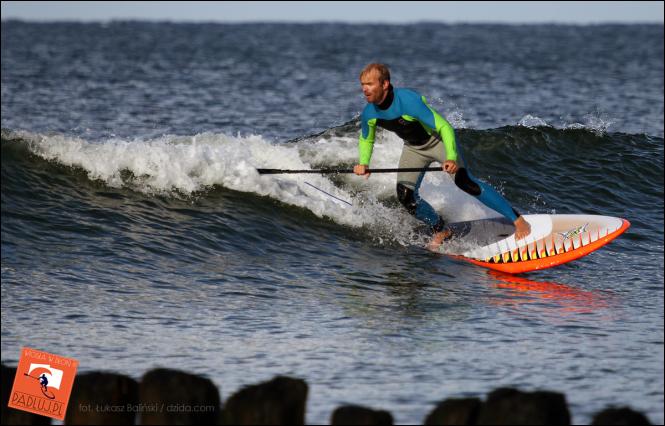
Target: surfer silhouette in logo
43,384
43,380
428,137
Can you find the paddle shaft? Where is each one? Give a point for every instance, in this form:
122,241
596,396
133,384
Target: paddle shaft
336,171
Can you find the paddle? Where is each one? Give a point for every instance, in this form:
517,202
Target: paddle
335,171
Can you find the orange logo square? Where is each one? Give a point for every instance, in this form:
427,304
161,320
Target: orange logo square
43,383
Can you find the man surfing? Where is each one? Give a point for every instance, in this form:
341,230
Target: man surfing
428,137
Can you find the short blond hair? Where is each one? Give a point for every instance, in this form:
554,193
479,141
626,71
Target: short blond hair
384,72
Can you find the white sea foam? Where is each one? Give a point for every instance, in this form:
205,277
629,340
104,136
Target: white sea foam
187,164
530,121
597,123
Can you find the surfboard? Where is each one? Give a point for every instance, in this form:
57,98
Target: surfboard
554,240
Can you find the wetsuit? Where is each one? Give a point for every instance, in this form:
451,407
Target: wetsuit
428,137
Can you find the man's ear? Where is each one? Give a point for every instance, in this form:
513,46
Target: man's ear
385,84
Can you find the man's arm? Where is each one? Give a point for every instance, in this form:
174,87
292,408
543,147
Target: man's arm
444,129
366,140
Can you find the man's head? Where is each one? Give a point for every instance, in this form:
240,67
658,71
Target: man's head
375,81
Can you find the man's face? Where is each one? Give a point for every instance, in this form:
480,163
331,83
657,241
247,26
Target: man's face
373,89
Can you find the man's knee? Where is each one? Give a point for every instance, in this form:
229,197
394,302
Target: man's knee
407,197
464,182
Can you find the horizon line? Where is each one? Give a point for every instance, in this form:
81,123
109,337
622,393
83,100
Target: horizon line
286,21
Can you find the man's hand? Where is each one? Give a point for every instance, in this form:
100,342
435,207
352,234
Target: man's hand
450,166
361,170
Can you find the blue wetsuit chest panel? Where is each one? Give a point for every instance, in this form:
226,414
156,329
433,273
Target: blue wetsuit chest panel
390,115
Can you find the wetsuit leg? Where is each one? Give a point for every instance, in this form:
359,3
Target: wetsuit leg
485,193
408,183
418,207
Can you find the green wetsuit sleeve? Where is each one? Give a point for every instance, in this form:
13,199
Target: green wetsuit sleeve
366,141
446,131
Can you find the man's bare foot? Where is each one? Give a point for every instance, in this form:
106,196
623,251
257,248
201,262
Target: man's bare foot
522,228
438,238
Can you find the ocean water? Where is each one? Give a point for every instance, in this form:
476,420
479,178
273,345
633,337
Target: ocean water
137,233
